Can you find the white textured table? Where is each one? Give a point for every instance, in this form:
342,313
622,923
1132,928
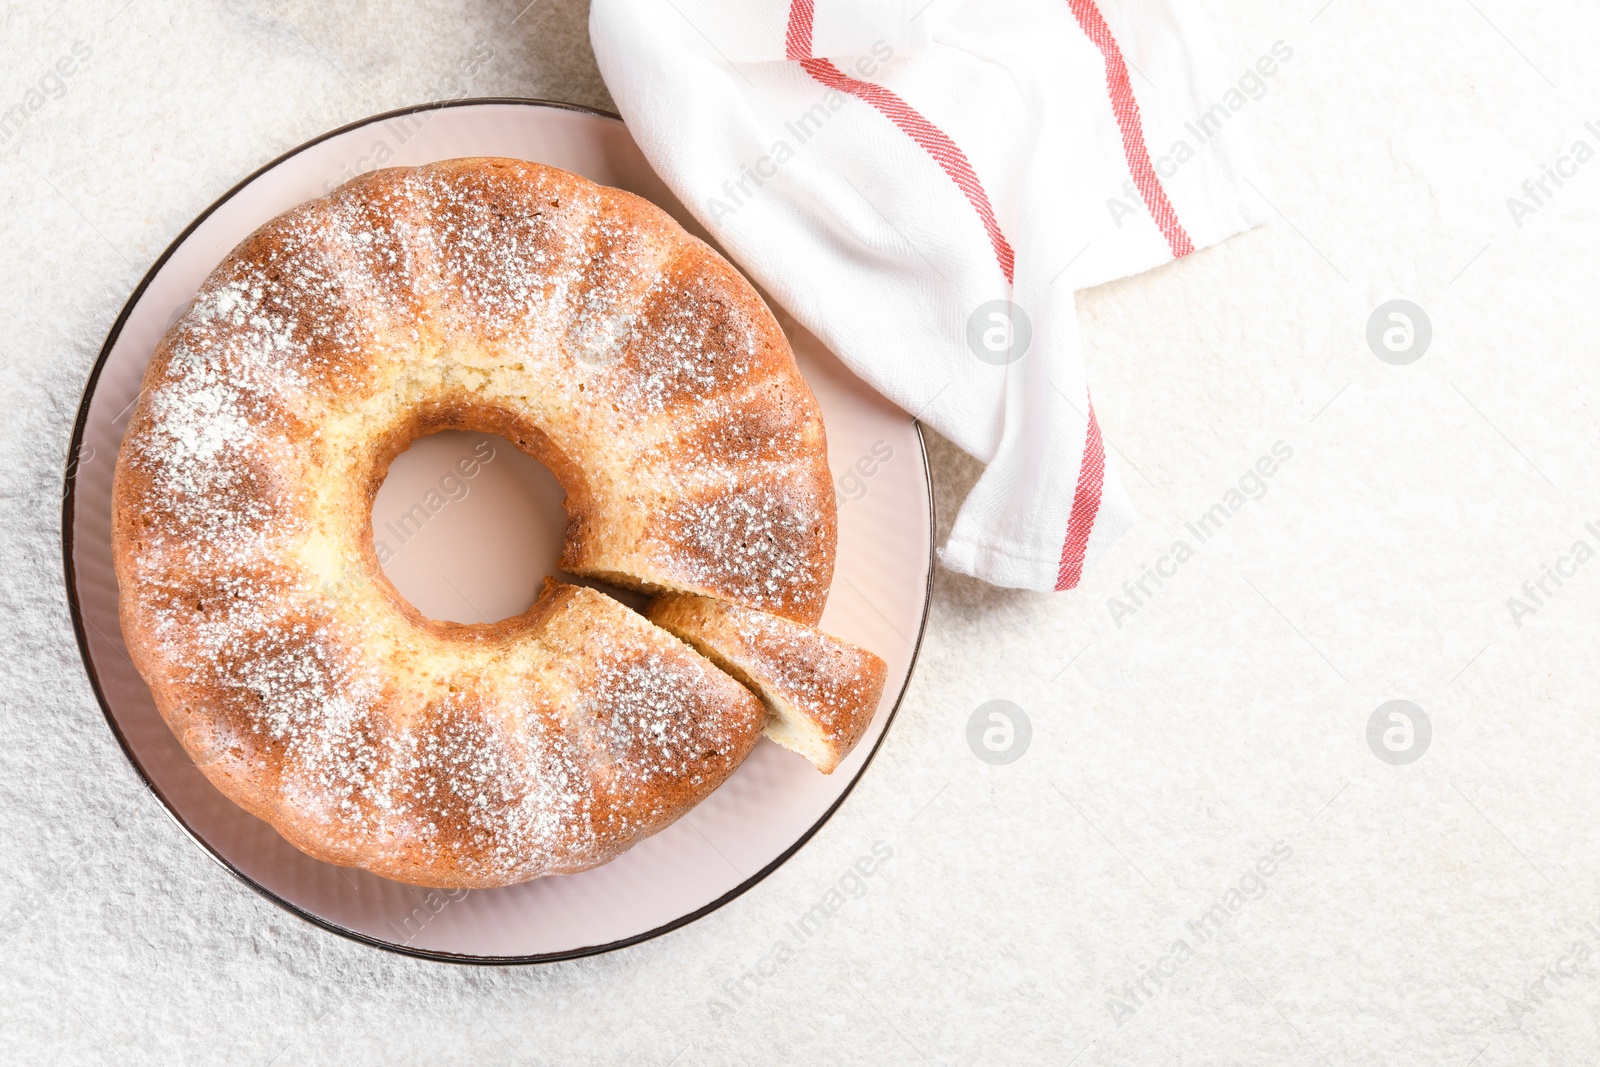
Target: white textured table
1199,858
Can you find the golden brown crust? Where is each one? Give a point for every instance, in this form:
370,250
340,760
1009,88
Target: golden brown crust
719,505
821,693
495,295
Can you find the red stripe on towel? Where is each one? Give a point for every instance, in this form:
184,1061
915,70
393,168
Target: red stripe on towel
1085,506
934,141
1126,108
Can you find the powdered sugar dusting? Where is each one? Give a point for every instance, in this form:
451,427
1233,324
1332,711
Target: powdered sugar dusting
822,691
457,755
749,544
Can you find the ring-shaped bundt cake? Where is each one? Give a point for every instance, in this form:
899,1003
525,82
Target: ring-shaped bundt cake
495,295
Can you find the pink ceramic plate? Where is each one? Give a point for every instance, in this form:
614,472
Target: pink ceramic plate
475,550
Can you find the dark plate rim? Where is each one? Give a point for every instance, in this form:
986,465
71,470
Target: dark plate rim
78,623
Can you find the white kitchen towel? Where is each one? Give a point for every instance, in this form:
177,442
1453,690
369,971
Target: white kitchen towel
925,184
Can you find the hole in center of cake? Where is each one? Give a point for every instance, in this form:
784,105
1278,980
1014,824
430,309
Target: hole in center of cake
466,526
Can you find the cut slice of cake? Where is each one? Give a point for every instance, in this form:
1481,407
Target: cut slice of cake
821,693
